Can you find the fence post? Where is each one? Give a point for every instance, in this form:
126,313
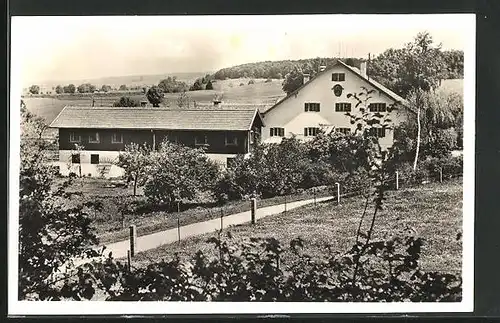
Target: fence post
440,174
133,239
285,203
338,193
179,228
397,180
254,209
221,218
129,260
314,193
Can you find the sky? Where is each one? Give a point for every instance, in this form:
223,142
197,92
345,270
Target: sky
73,48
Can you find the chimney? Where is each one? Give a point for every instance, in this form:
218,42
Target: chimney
362,68
322,68
306,78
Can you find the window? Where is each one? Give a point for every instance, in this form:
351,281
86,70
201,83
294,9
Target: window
94,159
342,107
200,140
338,77
277,132
345,131
94,137
377,132
377,107
311,131
75,158
73,137
311,107
231,139
117,138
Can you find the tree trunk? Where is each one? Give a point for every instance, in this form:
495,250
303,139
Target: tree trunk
418,137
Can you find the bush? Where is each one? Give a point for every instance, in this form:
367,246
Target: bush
268,81
251,82
442,145
256,270
451,166
179,173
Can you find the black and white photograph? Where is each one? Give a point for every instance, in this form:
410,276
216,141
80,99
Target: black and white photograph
284,163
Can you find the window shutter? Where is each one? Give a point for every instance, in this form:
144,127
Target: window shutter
305,131
271,132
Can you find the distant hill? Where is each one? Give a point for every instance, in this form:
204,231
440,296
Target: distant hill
128,80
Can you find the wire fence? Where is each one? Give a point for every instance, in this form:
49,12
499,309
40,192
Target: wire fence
398,182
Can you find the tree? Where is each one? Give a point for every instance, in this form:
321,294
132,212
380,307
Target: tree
51,233
421,71
437,111
155,95
105,88
293,80
125,101
209,85
183,100
34,89
59,89
86,88
69,89
179,173
197,85
135,160
123,87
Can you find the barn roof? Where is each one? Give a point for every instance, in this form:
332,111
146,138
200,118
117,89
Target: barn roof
155,118
357,72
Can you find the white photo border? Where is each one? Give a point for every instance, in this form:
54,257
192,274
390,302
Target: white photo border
18,307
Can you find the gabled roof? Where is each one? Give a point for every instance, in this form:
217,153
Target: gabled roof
357,72
156,118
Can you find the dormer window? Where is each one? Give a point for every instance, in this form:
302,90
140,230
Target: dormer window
311,107
94,138
73,137
231,139
338,77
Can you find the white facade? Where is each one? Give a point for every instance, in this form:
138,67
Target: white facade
106,168
290,113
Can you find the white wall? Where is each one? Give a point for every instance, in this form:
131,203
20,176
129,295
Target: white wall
290,114
107,158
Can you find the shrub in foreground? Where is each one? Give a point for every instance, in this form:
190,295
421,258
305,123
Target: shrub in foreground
257,270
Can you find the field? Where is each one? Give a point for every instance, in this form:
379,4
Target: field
433,212
258,93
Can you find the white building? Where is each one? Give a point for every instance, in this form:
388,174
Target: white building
321,103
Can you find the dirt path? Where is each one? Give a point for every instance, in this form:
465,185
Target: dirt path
154,240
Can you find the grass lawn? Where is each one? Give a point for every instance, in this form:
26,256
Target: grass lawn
108,222
433,211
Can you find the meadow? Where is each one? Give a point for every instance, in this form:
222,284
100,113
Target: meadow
260,92
432,212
